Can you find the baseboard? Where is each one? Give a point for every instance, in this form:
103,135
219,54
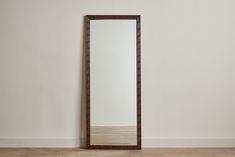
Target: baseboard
188,142
19,142
146,142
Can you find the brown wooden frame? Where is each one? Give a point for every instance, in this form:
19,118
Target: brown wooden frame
138,69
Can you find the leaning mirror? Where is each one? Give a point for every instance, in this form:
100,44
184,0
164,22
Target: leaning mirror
112,47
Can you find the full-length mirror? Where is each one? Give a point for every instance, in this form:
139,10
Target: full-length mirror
113,81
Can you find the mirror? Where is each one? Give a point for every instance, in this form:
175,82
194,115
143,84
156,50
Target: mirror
113,81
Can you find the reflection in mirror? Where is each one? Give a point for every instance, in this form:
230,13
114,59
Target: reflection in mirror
113,82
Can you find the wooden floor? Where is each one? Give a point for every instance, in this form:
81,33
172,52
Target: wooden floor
116,135
147,152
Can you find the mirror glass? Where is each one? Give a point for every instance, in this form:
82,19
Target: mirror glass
113,91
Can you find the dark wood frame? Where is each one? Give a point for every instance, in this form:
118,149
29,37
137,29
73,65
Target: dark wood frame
138,69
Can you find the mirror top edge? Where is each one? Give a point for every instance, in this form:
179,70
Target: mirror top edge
113,17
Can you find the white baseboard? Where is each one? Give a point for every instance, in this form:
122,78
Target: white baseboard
189,142
39,142
146,143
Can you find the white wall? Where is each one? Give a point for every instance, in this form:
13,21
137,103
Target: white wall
113,72
188,87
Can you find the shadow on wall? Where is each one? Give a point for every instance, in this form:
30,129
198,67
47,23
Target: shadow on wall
83,95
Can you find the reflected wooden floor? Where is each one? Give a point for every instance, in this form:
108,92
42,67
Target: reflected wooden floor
149,152
117,135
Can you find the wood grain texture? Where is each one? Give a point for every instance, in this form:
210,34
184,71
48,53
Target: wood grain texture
113,135
150,152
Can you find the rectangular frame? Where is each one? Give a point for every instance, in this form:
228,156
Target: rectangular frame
138,70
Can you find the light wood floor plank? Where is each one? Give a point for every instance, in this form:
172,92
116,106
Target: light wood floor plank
116,135
147,152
